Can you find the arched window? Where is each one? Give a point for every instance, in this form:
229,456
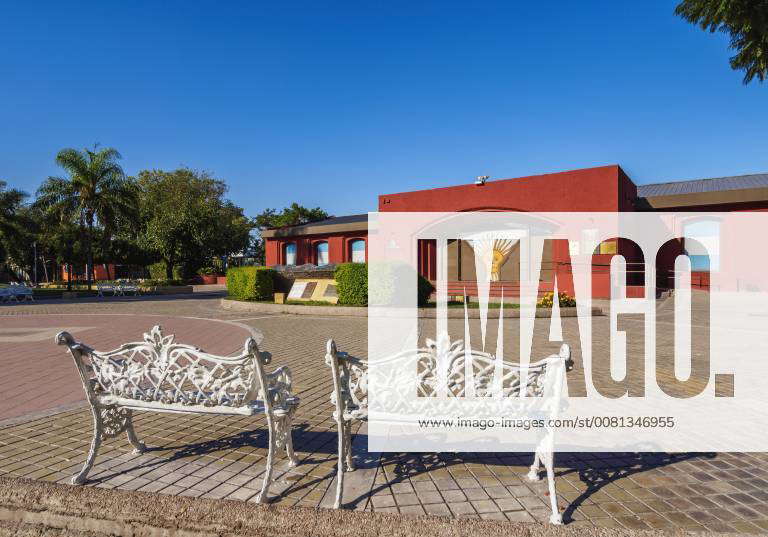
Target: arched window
357,251
704,250
321,253
290,253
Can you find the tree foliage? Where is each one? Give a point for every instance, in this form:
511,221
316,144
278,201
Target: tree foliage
746,23
95,194
295,215
186,219
180,220
12,220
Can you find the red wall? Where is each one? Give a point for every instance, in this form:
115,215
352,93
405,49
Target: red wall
591,189
601,189
99,272
338,247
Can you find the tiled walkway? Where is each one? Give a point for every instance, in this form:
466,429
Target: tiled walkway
222,457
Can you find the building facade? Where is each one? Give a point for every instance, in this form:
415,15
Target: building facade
601,189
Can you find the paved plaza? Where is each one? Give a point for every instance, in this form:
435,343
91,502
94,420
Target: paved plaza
45,429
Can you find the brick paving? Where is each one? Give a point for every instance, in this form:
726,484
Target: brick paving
223,457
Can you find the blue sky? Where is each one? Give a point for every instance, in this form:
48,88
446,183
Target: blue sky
332,103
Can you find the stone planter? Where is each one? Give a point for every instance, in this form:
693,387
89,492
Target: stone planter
208,279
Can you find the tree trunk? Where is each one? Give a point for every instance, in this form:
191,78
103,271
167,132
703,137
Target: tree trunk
89,246
169,261
68,260
169,269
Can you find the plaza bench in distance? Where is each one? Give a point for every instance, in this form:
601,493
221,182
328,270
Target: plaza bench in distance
350,395
121,288
159,375
14,291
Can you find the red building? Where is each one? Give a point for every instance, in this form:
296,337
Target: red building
602,189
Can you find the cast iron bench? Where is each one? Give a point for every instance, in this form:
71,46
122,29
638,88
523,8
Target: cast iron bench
162,376
117,289
102,288
350,396
15,291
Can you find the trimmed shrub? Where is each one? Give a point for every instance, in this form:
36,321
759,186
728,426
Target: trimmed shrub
251,283
352,284
354,289
564,300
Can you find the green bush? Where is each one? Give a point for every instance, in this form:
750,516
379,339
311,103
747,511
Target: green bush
207,271
352,283
157,271
162,282
251,283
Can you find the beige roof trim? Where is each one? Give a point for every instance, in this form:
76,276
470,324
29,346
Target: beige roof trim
309,229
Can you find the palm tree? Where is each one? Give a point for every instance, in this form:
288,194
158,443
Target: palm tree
95,193
11,201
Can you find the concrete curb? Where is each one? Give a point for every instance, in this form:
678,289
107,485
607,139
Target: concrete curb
40,508
350,311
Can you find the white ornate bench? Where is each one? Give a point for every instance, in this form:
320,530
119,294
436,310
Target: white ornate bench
102,288
127,286
350,396
16,291
160,375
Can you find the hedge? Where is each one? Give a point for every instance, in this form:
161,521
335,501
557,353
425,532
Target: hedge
251,283
352,284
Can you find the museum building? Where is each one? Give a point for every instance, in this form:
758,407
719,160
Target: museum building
602,189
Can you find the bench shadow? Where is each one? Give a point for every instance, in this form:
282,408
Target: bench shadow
592,472
592,469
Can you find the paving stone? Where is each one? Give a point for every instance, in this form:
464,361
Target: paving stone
508,504
224,457
461,508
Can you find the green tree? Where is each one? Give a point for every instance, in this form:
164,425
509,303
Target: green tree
13,223
746,23
187,221
295,215
96,193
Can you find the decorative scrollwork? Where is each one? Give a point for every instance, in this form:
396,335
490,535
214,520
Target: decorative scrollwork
114,420
160,370
283,428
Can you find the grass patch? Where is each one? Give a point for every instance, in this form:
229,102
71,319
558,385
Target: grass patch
476,305
310,303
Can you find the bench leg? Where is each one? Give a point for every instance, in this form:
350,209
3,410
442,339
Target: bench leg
98,429
348,446
545,455
262,497
346,463
342,427
549,463
288,439
533,474
138,446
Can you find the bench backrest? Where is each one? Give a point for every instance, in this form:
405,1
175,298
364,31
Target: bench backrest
162,371
350,379
350,374
19,289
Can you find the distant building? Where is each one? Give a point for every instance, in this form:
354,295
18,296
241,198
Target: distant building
603,189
